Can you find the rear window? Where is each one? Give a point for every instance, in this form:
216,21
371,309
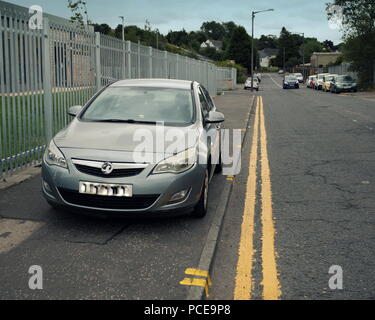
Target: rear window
171,106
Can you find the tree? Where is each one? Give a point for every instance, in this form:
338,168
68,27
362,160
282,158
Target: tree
267,42
291,44
359,35
311,45
79,10
214,30
102,28
239,48
328,44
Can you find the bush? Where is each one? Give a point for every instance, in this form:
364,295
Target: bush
241,71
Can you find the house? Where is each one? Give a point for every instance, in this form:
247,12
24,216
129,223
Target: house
266,55
218,45
321,59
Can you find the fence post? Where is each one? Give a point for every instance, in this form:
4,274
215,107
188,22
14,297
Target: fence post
177,67
139,60
150,61
166,64
47,85
129,59
97,62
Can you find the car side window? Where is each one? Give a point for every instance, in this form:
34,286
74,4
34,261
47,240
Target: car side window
208,98
204,104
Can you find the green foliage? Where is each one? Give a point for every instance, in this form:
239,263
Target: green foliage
239,48
270,41
79,10
359,37
241,71
214,30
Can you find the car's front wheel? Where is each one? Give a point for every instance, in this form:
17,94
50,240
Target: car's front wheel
200,209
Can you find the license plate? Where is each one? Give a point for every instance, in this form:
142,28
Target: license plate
106,190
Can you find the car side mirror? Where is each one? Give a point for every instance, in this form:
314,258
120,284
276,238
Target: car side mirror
73,111
215,117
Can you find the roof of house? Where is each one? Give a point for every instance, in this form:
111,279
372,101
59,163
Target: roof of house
218,44
268,52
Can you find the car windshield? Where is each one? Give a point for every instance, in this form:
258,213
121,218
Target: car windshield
298,74
290,78
344,79
142,104
328,78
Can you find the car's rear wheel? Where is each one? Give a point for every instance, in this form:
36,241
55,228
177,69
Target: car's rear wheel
200,209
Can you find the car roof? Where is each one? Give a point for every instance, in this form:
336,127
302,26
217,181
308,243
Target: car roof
157,83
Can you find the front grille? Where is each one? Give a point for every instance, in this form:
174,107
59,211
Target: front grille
103,202
116,173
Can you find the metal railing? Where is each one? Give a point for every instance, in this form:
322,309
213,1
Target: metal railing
45,71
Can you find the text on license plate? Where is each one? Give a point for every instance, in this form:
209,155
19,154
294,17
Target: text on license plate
109,190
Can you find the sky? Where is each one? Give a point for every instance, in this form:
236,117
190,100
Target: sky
296,15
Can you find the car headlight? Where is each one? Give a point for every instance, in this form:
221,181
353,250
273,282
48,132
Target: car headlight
354,84
54,156
178,163
285,82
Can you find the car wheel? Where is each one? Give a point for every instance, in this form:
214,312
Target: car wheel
200,209
257,89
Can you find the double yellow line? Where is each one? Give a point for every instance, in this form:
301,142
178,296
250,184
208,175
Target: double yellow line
244,277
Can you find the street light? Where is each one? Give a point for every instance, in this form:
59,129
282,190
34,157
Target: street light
123,27
252,44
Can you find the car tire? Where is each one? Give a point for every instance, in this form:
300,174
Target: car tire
200,209
219,166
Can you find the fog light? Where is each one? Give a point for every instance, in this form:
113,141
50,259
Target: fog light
47,189
179,196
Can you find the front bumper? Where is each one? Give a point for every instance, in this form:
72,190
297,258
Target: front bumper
151,193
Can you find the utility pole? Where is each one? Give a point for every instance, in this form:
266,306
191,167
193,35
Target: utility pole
253,13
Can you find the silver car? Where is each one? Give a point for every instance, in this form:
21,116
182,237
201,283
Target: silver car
101,163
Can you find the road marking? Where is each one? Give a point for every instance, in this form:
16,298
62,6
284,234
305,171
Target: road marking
275,81
13,232
199,282
244,280
271,285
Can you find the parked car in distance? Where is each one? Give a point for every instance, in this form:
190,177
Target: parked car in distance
259,76
290,81
255,84
310,83
343,83
299,76
319,81
326,85
281,71
96,164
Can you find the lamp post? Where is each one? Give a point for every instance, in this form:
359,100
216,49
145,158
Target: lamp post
252,44
123,27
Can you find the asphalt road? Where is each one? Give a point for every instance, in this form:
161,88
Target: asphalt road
321,155
303,202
